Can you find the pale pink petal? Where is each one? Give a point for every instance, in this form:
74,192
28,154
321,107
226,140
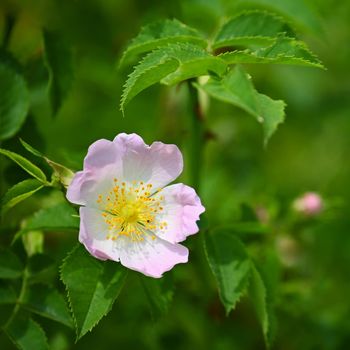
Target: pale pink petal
181,209
93,234
151,257
158,164
87,185
102,153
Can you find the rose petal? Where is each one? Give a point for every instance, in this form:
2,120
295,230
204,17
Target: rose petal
181,209
93,232
158,164
151,257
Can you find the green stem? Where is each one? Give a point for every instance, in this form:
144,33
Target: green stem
19,299
196,143
9,24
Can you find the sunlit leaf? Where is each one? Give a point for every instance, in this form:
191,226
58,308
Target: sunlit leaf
20,192
283,51
10,266
170,65
230,265
14,97
236,88
25,164
161,33
47,302
26,334
252,28
58,59
92,287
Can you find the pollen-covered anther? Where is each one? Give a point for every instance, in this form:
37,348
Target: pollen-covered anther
131,211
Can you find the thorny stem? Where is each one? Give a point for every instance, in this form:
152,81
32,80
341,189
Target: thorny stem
196,143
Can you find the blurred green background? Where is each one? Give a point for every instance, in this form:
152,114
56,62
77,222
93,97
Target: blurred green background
309,152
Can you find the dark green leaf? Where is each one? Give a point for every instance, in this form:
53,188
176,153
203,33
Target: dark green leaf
41,268
230,265
161,33
159,293
26,334
14,97
252,28
47,302
20,192
58,59
92,287
7,294
236,88
10,265
283,51
170,65
25,164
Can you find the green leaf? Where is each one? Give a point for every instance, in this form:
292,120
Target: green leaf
31,149
283,51
7,294
10,265
25,164
26,334
230,265
60,217
20,192
58,59
92,287
158,34
41,268
63,174
14,97
159,293
252,28
259,297
170,65
47,302
236,88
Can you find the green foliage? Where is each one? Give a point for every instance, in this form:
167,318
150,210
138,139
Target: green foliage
20,192
10,266
92,287
236,88
170,65
161,33
58,59
14,97
26,165
251,28
258,295
230,265
160,293
59,217
47,302
282,51
26,334
7,294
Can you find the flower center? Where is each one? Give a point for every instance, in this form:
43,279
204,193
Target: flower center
132,211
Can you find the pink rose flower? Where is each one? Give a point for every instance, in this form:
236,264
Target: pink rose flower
128,213
310,204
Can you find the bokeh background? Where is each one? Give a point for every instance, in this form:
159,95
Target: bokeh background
309,152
